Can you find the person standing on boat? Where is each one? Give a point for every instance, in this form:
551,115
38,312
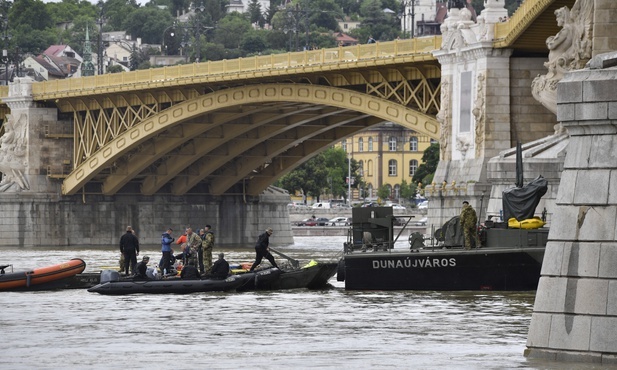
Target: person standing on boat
469,219
193,242
207,246
129,247
262,250
166,240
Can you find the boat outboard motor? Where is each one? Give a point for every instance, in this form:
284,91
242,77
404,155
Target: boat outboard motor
109,276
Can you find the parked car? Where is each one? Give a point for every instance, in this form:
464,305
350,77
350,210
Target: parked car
423,205
304,222
297,205
398,206
340,221
320,221
421,222
371,204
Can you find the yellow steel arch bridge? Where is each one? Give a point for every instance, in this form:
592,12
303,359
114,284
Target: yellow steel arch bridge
238,125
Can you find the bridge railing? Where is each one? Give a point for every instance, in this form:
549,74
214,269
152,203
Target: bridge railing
418,46
508,31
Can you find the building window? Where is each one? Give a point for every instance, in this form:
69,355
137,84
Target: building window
370,144
392,167
413,166
360,145
361,168
369,168
413,144
344,145
392,144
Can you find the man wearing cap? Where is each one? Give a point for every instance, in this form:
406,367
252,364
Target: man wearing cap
207,246
129,247
262,250
142,268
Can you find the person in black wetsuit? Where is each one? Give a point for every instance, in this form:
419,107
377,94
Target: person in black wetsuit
190,272
142,268
261,249
220,268
129,247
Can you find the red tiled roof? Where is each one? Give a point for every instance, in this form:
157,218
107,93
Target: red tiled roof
55,50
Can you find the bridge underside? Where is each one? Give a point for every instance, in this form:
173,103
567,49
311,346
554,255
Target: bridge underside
237,140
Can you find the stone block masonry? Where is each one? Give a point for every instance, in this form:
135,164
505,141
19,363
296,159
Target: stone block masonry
573,318
39,220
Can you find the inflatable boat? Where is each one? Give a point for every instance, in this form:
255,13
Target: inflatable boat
111,284
43,278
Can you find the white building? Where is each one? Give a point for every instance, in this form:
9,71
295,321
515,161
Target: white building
416,11
242,6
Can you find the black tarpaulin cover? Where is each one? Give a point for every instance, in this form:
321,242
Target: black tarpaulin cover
521,203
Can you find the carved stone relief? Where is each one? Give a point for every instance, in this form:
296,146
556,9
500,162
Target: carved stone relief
13,154
479,113
569,50
444,117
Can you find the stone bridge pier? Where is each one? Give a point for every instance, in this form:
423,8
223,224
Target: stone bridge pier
575,312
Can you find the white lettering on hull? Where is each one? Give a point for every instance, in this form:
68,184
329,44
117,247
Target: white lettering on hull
427,262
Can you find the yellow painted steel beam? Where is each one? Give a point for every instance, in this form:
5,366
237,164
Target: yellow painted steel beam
311,94
222,156
179,161
245,164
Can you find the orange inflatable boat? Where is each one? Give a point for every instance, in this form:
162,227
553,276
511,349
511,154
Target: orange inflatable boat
42,277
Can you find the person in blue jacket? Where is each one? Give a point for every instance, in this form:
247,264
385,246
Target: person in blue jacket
166,240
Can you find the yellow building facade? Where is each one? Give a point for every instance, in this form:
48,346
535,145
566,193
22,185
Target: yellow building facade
387,155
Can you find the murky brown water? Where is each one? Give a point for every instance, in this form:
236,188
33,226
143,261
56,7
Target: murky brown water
331,328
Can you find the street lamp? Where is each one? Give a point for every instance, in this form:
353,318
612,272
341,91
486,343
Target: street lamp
349,178
6,37
409,13
99,53
198,28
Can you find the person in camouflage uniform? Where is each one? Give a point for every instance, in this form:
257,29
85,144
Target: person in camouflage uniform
193,241
207,245
469,219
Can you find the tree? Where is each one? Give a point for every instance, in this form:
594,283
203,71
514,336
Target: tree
407,191
254,12
254,42
115,69
230,30
430,160
115,12
148,23
324,173
384,192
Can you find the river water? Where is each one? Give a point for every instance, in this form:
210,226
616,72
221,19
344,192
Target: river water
296,329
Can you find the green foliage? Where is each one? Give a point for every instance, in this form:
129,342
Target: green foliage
407,191
324,173
254,42
384,192
231,29
116,12
254,13
430,160
115,69
148,23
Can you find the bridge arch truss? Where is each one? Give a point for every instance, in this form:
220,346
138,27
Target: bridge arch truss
234,139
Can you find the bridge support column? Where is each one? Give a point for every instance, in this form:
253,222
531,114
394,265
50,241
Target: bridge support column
575,311
27,150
